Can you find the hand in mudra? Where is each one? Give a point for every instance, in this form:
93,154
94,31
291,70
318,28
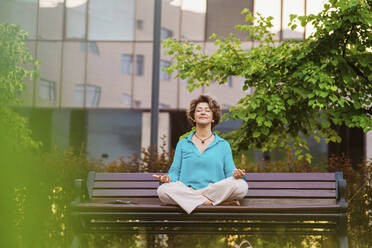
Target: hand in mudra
238,173
164,178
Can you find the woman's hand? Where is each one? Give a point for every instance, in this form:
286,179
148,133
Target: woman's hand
164,178
238,173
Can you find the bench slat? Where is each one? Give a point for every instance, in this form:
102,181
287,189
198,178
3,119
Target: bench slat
244,202
251,193
154,208
252,185
280,176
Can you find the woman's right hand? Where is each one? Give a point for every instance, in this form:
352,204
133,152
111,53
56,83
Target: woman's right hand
164,178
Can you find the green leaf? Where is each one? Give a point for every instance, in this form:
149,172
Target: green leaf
256,134
268,123
325,124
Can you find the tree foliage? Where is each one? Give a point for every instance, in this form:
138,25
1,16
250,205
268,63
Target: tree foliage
301,87
16,67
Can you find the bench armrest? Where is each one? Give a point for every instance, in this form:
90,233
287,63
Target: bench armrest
341,190
79,194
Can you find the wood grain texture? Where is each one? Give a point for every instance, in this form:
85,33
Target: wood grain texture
251,193
273,176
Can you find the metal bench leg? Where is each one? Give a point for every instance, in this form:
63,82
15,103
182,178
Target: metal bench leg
342,232
342,242
75,242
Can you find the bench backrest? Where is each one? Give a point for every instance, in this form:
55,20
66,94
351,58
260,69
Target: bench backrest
264,188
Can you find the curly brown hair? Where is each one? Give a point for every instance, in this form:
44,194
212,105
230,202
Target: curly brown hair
213,105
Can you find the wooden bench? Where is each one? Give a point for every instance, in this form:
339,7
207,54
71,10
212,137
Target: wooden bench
297,203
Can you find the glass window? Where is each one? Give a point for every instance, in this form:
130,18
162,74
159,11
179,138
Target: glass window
193,20
126,63
270,8
10,13
139,24
139,64
127,99
292,7
164,106
73,71
165,34
93,95
111,19
79,95
163,74
313,7
51,19
145,19
223,15
113,133
229,82
75,19
49,53
47,90
93,48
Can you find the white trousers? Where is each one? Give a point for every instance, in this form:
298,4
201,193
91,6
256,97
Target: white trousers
177,193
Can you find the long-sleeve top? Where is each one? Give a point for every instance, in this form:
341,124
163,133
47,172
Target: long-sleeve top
196,169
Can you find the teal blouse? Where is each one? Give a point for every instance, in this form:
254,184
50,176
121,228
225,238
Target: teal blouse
196,169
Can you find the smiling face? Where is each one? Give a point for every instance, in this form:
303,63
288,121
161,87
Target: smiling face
203,114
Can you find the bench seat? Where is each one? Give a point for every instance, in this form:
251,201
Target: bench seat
299,203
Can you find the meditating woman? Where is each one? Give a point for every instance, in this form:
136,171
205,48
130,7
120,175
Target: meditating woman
203,170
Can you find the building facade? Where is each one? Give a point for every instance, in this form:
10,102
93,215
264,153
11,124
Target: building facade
95,77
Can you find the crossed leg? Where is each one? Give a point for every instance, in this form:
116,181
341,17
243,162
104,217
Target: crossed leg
225,192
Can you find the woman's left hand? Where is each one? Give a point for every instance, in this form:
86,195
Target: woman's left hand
238,173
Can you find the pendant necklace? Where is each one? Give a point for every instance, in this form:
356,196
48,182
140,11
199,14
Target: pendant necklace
203,140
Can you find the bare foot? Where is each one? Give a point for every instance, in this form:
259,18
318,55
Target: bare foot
230,203
207,203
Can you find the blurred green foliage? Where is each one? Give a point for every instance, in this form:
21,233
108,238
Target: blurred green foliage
16,145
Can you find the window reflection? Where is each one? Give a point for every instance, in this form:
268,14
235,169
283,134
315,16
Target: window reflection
93,95
163,74
51,19
111,19
139,64
93,48
269,8
49,54
10,12
47,90
193,19
127,100
165,34
140,24
79,95
292,7
127,64
313,7
75,18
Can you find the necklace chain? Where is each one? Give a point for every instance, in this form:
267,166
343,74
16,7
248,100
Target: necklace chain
202,140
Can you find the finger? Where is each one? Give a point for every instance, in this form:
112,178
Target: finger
156,176
168,179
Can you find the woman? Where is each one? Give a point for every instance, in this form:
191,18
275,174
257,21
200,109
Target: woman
203,170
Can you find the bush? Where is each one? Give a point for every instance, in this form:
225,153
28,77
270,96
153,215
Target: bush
60,169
